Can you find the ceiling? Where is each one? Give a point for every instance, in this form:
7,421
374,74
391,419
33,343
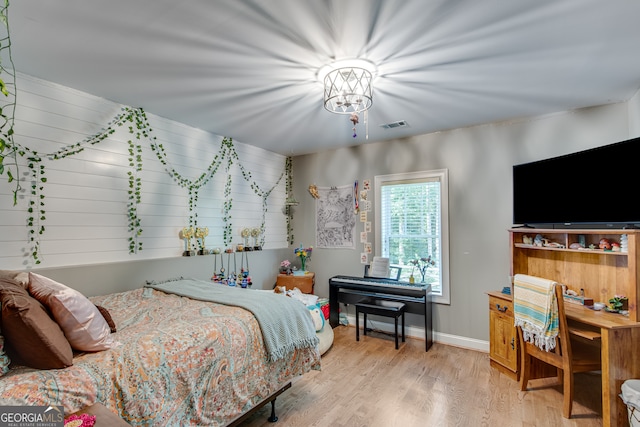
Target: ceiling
247,69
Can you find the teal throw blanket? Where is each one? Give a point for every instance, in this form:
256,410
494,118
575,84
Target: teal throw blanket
286,324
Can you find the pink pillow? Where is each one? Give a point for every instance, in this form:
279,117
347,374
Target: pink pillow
79,319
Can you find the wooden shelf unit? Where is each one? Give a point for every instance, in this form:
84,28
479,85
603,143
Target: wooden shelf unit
601,274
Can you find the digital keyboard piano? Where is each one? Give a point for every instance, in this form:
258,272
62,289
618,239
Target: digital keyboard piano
353,290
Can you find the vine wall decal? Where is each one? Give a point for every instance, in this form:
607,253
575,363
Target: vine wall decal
139,130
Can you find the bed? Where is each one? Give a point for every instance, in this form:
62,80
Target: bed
177,358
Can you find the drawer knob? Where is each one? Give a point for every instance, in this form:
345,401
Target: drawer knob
501,308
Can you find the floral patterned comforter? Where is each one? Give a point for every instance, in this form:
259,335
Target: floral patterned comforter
178,362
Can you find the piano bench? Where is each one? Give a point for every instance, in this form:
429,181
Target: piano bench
380,308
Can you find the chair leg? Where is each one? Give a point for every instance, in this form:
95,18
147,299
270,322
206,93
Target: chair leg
364,325
525,362
568,393
396,323
357,325
403,326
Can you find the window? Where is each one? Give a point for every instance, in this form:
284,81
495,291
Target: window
411,221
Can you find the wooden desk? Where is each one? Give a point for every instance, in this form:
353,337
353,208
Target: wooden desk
303,282
620,349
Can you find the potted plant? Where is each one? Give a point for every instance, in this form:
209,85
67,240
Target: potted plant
619,303
423,264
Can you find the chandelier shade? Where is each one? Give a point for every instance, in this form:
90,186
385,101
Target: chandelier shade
348,90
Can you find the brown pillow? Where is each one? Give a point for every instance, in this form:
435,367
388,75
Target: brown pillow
107,316
20,277
32,338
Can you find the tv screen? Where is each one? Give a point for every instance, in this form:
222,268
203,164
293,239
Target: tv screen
592,188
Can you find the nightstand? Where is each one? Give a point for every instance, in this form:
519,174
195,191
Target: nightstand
303,282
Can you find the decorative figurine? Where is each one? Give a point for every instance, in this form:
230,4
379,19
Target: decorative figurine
582,240
605,245
201,233
187,233
255,233
354,119
245,233
232,279
539,240
313,190
550,244
218,277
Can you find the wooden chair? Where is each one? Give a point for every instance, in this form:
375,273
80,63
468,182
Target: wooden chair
571,355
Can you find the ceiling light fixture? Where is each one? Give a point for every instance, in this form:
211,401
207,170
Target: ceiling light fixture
348,88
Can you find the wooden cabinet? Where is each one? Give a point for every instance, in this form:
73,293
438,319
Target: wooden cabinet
503,346
304,282
504,349
601,274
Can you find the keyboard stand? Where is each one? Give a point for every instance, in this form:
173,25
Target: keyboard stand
354,290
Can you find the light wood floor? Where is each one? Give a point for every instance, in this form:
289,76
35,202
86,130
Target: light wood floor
369,383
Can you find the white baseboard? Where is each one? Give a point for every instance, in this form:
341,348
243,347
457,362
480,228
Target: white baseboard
416,332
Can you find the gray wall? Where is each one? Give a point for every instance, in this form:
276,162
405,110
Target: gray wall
100,279
479,160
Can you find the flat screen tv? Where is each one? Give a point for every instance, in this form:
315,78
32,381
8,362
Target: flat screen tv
596,188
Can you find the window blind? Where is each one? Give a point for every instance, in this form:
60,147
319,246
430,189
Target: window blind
410,225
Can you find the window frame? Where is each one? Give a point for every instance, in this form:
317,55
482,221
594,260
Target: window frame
442,176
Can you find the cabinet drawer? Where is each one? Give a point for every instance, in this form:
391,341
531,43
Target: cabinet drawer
501,305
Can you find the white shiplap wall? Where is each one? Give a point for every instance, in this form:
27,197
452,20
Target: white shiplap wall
86,194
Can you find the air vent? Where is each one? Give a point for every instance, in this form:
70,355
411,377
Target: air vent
393,125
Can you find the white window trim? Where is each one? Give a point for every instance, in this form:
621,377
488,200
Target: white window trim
443,176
